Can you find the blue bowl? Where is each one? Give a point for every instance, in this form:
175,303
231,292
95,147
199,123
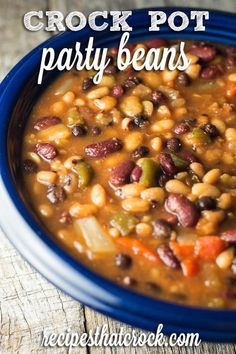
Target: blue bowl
18,92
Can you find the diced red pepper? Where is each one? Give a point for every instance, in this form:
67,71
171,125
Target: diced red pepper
209,247
138,248
190,267
181,251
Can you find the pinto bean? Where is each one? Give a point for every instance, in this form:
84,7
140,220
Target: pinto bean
104,148
167,256
186,212
161,229
46,151
229,236
120,175
46,122
167,163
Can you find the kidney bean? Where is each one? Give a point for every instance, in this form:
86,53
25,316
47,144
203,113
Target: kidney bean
55,194
205,53
117,91
46,122
168,257
167,163
46,151
189,156
120,175
186,212
229,236
156,43
104,148
170,218
181,128
29,166
136,174
210,72
161,228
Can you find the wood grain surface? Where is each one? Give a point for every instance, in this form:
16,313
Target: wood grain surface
28,303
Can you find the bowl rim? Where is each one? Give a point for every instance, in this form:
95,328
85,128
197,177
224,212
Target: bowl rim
100,292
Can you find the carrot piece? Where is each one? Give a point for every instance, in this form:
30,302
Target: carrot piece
209,247
181,251
190,267
138,248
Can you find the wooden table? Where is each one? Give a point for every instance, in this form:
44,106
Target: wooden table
29,303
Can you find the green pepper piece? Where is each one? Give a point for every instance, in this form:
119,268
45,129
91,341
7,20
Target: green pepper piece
180,163
149,173
124,222
85,173
74,117
201,136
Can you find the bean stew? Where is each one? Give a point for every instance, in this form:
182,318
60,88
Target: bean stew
136,176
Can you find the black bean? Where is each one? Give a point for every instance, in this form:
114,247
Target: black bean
123,261
140,152
95,131
173,144
211,130
206,203
128,281
158,97
79,130
87,83
183,80
29,166
163,179
55,194
161,228
140,121
153,287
